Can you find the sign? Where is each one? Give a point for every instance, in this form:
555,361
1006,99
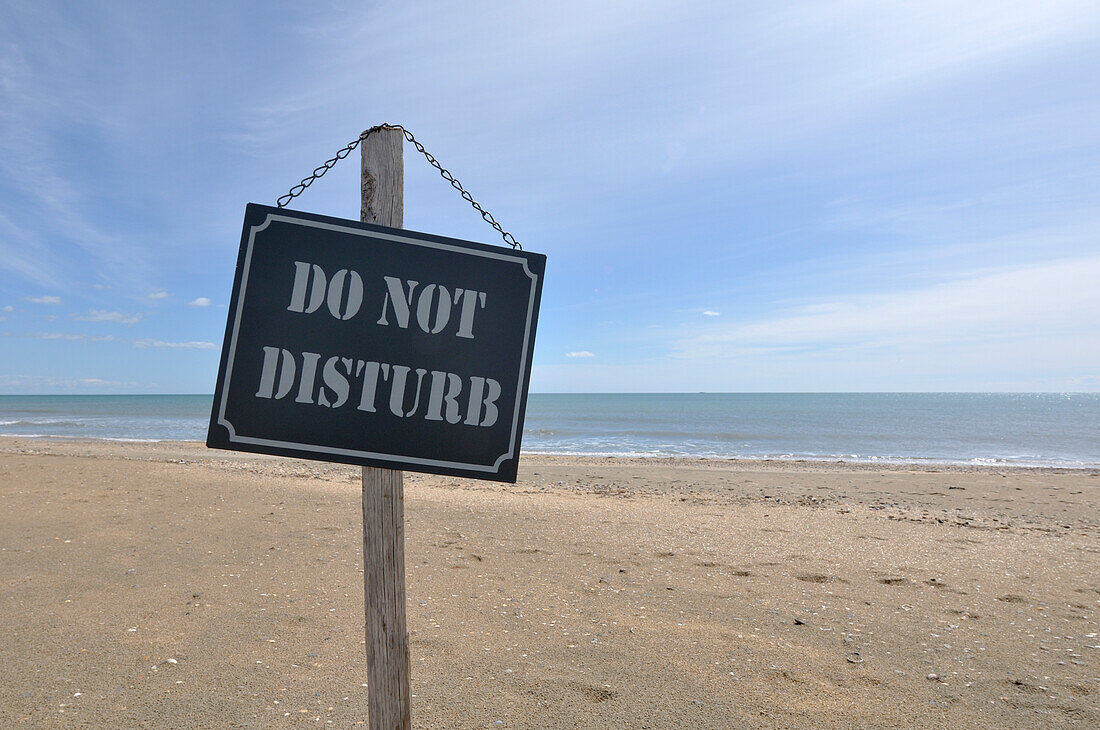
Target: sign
363,344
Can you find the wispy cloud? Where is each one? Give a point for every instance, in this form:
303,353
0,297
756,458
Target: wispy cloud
158,294
805,81
144,343
711,313
199,302
50,89
141,343
32,383
47,299
102,315
21,255
73,337
1018,302
580,353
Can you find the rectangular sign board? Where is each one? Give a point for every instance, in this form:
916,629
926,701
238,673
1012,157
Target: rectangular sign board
364,344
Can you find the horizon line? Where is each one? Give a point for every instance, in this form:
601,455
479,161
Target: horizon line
653,392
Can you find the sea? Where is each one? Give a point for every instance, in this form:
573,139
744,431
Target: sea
1012,429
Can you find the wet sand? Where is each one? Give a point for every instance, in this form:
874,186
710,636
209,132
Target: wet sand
166,585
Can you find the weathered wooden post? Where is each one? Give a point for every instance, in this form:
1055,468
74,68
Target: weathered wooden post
383,189
299,379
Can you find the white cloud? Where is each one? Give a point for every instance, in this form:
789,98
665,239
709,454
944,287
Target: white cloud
72,337
102,315
55,215
579,353
48,299
200,302
35,383
1024,328
1055,297
158,294
175,345
790,76
9,308
711,313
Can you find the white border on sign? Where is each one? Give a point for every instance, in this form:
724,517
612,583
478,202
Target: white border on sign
233,437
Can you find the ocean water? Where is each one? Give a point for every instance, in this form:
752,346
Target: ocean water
112,417
1026,429
1033,429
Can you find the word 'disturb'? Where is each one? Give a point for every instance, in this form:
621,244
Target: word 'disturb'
338,381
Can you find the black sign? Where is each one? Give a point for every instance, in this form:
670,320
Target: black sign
363,344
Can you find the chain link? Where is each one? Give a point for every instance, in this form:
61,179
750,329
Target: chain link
320,170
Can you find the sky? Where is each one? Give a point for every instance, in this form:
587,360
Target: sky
781,196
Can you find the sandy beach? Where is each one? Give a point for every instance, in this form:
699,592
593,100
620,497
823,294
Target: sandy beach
167,585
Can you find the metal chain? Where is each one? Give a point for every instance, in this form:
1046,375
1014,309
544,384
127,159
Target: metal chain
443,172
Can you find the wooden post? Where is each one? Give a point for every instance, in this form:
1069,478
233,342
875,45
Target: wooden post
383,187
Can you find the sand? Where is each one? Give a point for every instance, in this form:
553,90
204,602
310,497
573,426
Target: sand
166,585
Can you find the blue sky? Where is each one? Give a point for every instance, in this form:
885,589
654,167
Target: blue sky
777,196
